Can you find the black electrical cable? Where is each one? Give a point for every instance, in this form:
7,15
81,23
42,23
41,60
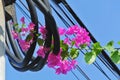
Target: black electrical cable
14,65
65,14
26,15
31,12
28,10
28,18
41,61
15,48
56,50
25,60
53,25
23,12
75,75
48,40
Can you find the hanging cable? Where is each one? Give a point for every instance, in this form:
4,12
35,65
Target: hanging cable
28,10
23,12
10,56
75,75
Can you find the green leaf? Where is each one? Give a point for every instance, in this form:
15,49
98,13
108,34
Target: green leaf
16,25
74,53
23,25
96,48
28,38
110,43
18,30
115,56
63,46
40,41
38,35
109,47
72,43
119,42
83,46
90,57
64,55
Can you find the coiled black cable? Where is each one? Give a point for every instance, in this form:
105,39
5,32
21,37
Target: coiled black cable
37,63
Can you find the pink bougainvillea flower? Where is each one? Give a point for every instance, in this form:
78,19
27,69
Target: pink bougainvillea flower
15,34
70,31
73,64
81,35
22,20
53,60
60,66
67,41
31,26
58,71
24,45
41,52
46,49
63,67
24,31
61,31
43,31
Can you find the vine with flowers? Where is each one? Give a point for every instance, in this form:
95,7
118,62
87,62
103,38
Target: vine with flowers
73,39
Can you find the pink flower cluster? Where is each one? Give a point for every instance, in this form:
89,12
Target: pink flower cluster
75,34
41,51
43,31
60,66
14,34
81,35
25,45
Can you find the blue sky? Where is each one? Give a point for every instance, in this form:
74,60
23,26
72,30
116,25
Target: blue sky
102,19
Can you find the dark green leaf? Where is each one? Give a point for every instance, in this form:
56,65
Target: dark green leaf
28,38
40,41
64,55
72,43
96,48
15,25
111,43
109,47
90,57
63,46
18,30
74,53
61,42
115,56
38,35
23,25
119,42
83,46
